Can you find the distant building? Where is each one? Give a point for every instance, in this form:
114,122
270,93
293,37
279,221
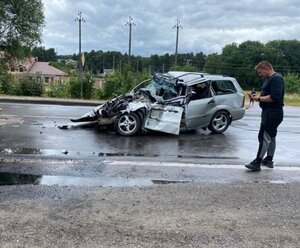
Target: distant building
47,73
99,82
107,72
31,67
72,62
21,66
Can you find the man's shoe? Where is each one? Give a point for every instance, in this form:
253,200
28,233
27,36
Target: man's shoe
268,163
254,165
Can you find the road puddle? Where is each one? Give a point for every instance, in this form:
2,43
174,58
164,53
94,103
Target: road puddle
21,179
164,181
53,152
125,154
10,151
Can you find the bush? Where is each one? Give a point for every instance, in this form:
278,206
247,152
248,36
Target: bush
121,82
31,86
87,87
58,91
292,83
6,85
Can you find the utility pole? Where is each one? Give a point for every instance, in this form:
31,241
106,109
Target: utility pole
130,23
177,26
114,58
79,19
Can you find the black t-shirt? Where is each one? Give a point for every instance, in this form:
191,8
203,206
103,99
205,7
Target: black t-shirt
273,86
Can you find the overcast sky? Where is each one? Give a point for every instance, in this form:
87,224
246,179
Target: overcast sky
208,25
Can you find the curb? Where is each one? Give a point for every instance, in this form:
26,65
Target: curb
55,101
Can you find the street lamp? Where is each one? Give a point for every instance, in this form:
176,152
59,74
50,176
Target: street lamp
79,19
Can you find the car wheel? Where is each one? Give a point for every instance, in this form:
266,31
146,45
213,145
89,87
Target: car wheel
220,122
128,124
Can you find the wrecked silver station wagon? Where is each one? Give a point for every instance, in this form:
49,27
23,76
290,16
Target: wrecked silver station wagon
169,103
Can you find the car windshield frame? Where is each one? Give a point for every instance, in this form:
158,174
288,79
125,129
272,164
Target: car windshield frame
158,83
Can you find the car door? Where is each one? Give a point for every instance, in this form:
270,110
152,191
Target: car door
164,118
199,109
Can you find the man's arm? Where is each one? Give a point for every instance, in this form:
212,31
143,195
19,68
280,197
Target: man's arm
262,98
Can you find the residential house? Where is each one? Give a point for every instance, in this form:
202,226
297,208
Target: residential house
47,73
31,67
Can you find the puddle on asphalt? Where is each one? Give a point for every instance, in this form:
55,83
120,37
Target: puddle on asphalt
278,182
52,152
125,154
21,179
9,151
163,181
272,181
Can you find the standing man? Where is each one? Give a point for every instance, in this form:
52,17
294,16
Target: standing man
271,101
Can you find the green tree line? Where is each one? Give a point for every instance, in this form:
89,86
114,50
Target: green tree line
236,60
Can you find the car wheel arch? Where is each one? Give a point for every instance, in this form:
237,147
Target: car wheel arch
128,124
220,121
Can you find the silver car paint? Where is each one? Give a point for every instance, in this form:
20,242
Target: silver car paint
164,118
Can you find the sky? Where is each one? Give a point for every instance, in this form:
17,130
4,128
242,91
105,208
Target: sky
205,25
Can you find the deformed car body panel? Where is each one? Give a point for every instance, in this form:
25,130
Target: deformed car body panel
164,118
134,106
198,112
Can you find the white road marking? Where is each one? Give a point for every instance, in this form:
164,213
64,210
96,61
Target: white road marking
191,165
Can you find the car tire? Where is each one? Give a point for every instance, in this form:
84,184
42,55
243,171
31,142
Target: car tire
219,122
128,124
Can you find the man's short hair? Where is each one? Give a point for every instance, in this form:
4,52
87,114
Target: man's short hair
264,65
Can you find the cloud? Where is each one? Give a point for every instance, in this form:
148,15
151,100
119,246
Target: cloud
208,25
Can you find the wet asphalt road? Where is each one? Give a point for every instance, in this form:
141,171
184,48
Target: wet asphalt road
192,190
31,143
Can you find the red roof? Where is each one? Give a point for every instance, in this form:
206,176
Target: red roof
45,69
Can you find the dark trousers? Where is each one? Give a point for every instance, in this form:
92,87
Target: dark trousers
270,120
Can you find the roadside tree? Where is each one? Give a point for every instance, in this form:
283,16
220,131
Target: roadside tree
21,23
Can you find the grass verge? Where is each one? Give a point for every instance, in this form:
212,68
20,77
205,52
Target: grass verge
290,99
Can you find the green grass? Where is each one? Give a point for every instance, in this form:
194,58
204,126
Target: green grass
290,99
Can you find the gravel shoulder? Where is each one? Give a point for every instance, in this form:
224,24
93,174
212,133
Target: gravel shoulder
171,215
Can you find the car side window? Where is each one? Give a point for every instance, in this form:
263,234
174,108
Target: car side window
222,87
200,91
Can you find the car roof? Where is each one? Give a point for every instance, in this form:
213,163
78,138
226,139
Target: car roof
189,78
